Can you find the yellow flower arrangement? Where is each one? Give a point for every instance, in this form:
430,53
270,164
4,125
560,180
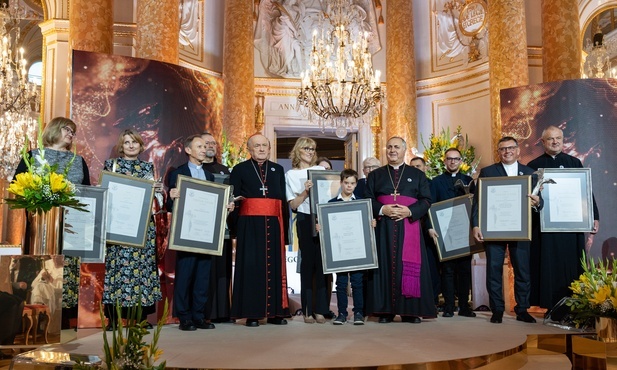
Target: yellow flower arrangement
232,155
594,293
435,151
41,188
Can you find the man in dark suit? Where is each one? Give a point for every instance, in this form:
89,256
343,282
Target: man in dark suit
192,269
509,152
368,164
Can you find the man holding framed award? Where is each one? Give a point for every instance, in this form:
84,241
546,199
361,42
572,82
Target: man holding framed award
444,187
509,152
192,269
556,256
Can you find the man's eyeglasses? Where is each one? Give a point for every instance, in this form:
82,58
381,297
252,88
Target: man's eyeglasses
507,148
309,149
69,130
456,159
213,143
371,168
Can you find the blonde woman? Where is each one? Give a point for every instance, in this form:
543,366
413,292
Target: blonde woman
303,158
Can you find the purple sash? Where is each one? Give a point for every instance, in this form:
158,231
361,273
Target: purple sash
412,258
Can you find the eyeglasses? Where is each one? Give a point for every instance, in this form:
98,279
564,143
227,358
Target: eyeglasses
213,143
309,149
456,159
507,148
68,130
371,168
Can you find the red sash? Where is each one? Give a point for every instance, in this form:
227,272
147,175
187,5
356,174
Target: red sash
273,208
412,257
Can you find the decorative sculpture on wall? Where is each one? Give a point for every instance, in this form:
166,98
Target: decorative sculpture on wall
461,27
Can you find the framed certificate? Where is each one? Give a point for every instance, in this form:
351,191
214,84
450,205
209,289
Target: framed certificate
129,204
10,250
450,219
198,216
504,210
326,185
84,232
346,237
568,204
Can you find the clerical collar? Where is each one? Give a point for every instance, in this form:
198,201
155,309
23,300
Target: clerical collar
453,174
397,166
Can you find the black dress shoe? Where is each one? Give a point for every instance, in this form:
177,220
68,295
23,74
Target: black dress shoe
187,326
466,312
252,323
202,324
497,317
412,319
448,314
277,321
385,319
526,317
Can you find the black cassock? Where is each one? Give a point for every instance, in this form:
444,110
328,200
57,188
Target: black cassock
555,258
384,283
260,288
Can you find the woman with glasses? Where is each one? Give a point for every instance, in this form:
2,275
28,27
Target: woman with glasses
58,138
130,272
303,158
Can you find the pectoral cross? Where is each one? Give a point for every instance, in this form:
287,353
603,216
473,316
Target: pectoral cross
263,189
395,194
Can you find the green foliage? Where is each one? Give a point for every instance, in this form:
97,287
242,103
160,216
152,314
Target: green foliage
128,350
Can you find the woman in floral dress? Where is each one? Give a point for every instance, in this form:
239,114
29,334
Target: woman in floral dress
130,272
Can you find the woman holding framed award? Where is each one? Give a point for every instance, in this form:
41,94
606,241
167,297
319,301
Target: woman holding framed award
131,272
303,158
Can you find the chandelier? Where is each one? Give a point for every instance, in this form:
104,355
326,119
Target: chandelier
339,86
598,61
19,99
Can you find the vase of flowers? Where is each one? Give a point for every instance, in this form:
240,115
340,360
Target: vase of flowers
594,298
435,151
42,192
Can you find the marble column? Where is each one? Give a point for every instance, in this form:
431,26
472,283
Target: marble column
401,115
238,72
507,54
92,24
158,30
561,40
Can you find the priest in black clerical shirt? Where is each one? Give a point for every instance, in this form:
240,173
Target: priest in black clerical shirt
219,301
555,257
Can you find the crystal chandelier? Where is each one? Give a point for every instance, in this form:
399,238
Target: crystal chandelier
19,99
598,61
339,87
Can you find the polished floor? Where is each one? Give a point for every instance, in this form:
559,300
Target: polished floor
442,343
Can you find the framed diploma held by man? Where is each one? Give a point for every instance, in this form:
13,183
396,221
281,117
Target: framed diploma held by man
450,219
129,204
504,210
198,216
568,202
84,233
326,185
346,236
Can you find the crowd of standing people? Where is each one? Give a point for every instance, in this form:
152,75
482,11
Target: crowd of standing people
409,277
